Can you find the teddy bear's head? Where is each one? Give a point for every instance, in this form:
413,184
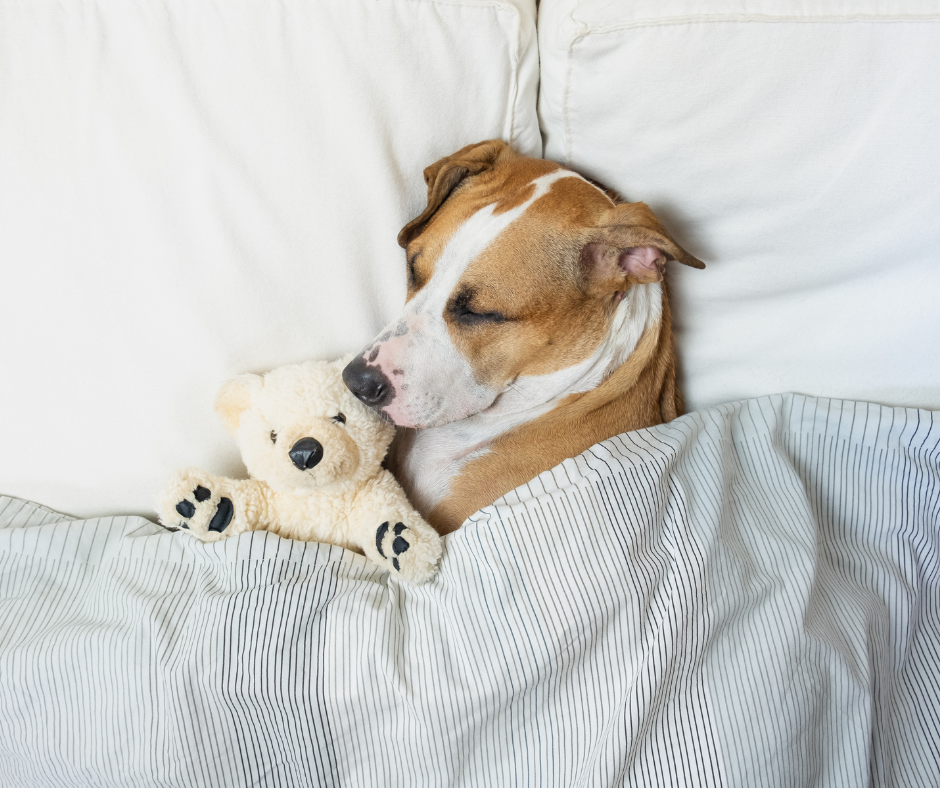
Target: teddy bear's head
299,428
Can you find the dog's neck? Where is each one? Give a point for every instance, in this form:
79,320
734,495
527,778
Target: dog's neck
428,461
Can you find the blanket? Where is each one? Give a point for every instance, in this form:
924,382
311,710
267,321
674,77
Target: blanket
747,595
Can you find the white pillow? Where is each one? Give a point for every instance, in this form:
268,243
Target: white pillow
192,189
791,146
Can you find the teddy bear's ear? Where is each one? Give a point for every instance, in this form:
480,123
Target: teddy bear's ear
235,397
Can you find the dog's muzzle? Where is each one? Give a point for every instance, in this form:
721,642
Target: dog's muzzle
368,383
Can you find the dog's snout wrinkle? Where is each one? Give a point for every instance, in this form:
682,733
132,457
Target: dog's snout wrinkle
369,383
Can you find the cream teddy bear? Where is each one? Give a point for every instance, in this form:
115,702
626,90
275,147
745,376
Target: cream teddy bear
314,453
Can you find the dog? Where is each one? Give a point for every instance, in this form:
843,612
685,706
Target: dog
536,324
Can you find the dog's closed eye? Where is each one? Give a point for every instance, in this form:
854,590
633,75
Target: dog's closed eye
469,317
465,313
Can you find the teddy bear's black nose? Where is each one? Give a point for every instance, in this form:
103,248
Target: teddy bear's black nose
306,453
368,383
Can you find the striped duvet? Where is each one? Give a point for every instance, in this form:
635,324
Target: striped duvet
749,595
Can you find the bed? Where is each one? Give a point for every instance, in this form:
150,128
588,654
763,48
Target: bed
747,595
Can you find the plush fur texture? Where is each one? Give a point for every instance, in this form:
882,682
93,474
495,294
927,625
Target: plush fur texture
315,454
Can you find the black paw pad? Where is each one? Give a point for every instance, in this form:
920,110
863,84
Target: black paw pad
400,545
223,516
202,494
379,536
185,509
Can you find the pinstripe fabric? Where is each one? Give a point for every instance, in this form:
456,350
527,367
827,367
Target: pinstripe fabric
748,595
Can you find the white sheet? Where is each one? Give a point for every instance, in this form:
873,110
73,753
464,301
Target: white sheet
747,596
192,189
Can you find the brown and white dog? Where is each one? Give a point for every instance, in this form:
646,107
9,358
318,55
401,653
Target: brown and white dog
536,324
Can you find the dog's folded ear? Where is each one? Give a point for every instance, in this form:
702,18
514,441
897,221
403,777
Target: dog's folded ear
630,246
443,176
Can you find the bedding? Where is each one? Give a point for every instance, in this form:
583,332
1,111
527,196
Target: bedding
747,595
790,146
192,189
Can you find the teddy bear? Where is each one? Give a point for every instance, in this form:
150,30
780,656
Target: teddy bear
314,454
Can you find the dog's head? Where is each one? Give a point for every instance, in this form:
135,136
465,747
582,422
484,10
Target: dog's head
517,272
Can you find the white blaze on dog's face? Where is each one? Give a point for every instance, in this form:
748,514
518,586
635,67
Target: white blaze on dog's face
516,290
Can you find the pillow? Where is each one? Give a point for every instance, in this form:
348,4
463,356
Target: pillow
190,190
793,148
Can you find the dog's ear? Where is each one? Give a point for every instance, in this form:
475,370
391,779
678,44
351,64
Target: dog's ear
631,247
235,397
443,176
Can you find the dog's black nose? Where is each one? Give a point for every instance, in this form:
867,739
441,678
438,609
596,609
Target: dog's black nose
368,383
306,453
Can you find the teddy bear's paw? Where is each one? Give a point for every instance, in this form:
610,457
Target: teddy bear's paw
412,550
190,503
219,515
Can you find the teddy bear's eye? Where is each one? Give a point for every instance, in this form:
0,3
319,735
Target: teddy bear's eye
273,436
339,417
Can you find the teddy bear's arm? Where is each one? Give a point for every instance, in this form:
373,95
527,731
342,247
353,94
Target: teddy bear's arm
391,533
213,507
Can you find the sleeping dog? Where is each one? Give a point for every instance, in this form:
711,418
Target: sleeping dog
536,324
